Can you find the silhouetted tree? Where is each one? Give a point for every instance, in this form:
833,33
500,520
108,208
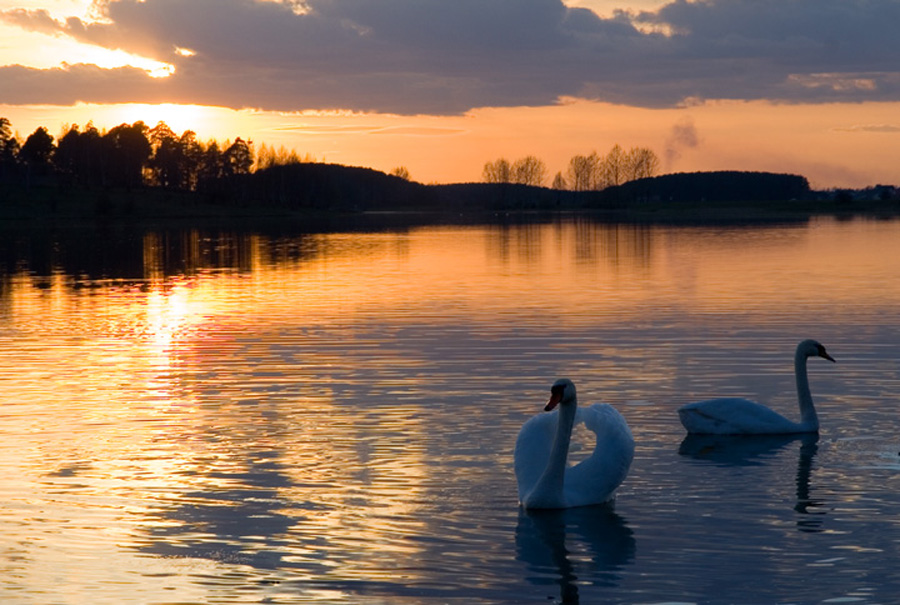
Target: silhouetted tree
613,167
68,153
176,160
238,158
191,154
210,170
126,151
267,157
38,149
498,171
89,167
159,134
584,172
402,172
641,163
9,149
559,182
35,154
529,171
592,172
164,163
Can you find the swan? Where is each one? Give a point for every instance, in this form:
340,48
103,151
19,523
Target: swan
734,416
543,477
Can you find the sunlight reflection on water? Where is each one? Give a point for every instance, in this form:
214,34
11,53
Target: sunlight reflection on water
330,417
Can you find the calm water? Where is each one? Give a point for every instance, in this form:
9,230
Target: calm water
221,417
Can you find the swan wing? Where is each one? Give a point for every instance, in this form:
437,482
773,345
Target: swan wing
595,479
532,451
734,416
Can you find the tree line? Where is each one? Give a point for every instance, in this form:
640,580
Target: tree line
129,155
591,172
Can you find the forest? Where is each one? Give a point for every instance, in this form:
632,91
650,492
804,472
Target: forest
128,155
130,158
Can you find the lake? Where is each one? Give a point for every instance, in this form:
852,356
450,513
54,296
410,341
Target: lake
289,415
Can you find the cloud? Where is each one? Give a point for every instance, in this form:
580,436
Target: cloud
880,128
35,20
440,57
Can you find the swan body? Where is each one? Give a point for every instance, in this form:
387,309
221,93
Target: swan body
545,480
734,416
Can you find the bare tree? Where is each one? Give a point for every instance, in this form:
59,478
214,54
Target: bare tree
267,157
584,172
614,167
529,171
642,163
559,181
498,171
402,172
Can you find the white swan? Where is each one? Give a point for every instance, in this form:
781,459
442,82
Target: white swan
545,481
734,416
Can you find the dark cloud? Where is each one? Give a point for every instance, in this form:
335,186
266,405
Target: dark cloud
438,57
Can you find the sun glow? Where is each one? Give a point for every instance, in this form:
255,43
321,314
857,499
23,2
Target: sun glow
178,117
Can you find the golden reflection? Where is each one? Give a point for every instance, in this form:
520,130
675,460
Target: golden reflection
243,395
165,408
562,268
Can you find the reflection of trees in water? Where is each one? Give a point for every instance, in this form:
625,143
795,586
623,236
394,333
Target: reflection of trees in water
586,545
583,240
136,251
755,450
126,253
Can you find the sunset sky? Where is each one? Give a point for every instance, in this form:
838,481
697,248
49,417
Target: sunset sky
810,87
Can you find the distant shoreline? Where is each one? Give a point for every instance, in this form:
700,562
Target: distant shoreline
333,196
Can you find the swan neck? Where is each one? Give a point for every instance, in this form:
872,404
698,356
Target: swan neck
549,489
560,451
804,397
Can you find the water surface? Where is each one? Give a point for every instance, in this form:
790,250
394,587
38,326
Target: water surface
196,416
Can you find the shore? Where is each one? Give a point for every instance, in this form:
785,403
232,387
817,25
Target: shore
42,207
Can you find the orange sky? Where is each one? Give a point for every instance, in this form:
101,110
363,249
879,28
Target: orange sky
838,127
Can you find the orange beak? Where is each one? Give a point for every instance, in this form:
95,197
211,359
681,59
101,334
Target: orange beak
555,398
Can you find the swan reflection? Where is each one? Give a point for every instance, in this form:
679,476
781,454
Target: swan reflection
736,450
589,543
807,505
753,450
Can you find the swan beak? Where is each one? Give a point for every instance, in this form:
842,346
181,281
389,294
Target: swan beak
555,398
827,356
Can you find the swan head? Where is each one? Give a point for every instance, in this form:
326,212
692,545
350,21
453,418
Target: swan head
562,392
813,348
